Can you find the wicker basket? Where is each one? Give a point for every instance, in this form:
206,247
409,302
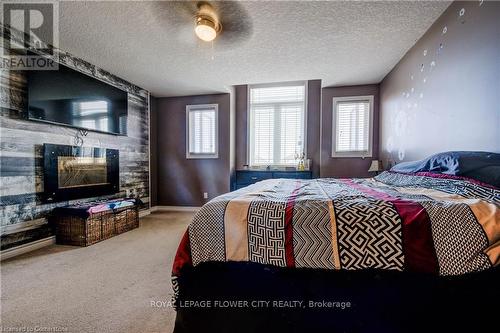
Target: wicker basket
76,230
126,220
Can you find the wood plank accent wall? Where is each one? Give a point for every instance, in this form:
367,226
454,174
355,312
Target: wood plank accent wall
22,214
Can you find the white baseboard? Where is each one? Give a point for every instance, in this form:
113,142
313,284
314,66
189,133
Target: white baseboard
144,212
174,209
25,248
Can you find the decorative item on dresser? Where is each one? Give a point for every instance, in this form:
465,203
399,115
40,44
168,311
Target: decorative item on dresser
86,224
375,166
252,176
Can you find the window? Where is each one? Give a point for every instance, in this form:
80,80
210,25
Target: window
202,131
276,123
352,128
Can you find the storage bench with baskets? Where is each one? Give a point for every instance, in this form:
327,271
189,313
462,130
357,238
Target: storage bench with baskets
89,223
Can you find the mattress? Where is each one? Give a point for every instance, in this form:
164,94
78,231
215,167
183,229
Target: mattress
428,223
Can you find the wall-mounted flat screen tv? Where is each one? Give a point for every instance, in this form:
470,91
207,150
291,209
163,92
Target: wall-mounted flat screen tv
71,98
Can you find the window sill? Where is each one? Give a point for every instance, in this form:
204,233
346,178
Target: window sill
201,157
273,168
351,156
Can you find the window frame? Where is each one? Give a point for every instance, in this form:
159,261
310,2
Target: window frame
362,154
249,138
198,107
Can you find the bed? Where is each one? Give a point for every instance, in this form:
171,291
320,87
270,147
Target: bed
393,246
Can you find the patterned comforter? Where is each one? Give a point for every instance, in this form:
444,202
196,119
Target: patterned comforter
419,222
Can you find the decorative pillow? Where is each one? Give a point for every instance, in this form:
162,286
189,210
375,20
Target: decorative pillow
489,175
482,166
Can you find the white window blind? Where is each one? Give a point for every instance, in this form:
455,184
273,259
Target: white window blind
276,123
202,136
352,124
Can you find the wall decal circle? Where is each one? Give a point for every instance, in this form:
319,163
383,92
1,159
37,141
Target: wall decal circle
401,123
401,154
439,49
390,144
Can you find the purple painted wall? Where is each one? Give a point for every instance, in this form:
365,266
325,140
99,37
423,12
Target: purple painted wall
313,124
178,181
443,94
153,132
241,109
181,181
345,167
232,135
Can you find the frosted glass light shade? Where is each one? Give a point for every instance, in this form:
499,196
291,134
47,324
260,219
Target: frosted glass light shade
205,30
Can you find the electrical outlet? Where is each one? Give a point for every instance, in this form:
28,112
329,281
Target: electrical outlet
205,195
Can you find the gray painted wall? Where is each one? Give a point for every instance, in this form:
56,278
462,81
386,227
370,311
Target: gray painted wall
181,181
443,94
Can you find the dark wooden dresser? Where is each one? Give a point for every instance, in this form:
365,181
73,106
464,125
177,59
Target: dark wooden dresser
248,177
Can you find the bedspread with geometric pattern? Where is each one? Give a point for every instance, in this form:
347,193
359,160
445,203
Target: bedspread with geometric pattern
417,222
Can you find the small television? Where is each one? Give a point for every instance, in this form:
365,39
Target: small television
71,98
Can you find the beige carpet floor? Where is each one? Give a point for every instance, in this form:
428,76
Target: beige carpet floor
107,287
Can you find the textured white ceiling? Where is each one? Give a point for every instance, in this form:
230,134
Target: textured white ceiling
152,44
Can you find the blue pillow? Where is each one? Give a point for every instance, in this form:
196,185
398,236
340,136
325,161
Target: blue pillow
482,166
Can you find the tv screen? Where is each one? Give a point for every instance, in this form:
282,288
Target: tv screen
68,97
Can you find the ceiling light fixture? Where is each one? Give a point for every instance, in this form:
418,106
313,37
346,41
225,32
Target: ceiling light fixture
207,28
